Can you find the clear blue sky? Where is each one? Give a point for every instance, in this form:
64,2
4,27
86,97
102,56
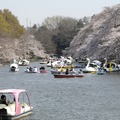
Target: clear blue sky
35,11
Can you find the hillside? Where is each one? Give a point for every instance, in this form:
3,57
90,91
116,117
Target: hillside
15,41
100,38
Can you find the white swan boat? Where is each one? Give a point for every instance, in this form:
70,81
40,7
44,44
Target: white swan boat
20,107
14,67
110,66
90,68
24,62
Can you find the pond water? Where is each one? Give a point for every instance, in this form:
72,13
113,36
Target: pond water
93,97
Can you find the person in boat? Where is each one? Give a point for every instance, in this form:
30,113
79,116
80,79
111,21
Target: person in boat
27,70
42,68
80,71
67,71
3,100
63,69
23,62
100,70
72,71
35,69
30,69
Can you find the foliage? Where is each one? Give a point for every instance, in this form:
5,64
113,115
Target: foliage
9,25
52,22
3,26
44,35
67,30
100,38
57,32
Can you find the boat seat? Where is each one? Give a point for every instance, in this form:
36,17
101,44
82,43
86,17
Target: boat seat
2,106
7,110
11,109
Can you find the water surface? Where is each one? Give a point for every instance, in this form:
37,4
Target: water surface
93,97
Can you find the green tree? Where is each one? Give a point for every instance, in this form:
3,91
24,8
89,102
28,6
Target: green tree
12,24
44,35
4,26
57,32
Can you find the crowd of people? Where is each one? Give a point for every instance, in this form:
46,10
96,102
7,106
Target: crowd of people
30,69
70,71
35,70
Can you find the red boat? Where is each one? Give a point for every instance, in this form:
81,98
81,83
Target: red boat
43,71
68,75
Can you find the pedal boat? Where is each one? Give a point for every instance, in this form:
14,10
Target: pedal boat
19,108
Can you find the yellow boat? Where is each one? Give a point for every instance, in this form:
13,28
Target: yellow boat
65,67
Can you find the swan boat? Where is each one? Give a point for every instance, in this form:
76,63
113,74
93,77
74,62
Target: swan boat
14,67
90,67
110,66
19,108
24,62
58,71
44,61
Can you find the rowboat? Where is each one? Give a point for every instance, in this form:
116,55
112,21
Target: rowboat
68,75
43,71
18,106
30,72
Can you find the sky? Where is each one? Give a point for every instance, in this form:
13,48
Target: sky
30,12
